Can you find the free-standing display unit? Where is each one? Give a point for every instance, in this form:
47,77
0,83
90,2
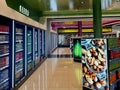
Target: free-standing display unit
101,63
77,50
95,64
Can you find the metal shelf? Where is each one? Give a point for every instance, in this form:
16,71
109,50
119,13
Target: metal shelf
4,81
6,54
19,60
19,33
19,41
114,70
4,32
19,50
3,42
4,67
19,70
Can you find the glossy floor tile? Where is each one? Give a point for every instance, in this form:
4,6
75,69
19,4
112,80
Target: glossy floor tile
56,74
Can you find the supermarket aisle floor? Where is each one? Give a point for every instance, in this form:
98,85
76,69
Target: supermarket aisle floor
56,73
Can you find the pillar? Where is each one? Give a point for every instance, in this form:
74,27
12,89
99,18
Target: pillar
97,15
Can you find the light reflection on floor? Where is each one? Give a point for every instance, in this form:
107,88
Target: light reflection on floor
56,74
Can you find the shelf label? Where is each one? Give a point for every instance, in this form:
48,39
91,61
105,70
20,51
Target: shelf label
23,10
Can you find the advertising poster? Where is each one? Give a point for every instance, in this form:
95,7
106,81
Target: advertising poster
77,50
94,63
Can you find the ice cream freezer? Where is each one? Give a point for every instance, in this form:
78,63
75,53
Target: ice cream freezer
100,62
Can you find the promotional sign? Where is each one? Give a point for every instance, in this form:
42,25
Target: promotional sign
77,50
94,63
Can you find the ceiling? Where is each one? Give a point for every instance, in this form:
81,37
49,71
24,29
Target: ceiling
46,5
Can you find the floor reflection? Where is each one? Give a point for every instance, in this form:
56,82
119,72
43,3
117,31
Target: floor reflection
56,74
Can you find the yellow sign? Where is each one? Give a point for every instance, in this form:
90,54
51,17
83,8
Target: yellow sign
83,30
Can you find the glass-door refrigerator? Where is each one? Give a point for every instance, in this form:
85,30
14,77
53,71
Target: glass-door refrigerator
5,58
40,44
30,62
43,44
36,47
19,50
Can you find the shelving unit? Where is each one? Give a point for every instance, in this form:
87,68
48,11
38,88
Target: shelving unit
114,62
19,52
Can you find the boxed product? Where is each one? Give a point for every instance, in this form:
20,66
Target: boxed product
112,77
118,74
112,43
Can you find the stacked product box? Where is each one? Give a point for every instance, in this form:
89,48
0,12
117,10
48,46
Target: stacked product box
114,62
19,56
4,38
4,86
4,61
4,28
4,49
112,43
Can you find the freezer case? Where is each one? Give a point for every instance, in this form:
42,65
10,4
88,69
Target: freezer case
5,67
36,47
19,53
30,62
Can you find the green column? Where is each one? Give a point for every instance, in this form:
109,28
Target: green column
97,16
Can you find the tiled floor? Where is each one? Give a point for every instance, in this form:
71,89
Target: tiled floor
56,74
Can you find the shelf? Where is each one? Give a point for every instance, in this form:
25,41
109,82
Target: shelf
112,60
28,34
4,32
2,42
29,43
4,81
115,82
114,70
29,53
19,70
19,41
19,50
19,33
29,61
19,60
4,54
4,67
116,49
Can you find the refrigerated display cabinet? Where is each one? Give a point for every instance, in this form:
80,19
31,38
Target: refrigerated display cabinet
30,62
5,54
19,52
36,47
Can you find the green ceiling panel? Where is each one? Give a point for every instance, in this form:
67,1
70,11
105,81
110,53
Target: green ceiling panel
40,8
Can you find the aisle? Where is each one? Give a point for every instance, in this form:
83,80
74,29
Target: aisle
56,73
